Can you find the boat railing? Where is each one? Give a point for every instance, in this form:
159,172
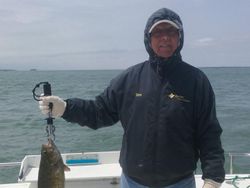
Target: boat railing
10,164
232,156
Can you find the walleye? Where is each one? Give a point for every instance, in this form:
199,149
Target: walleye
51,170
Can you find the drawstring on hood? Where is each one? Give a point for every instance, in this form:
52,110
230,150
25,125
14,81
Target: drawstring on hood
163,14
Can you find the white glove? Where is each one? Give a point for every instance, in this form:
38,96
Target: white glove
59,105
208,183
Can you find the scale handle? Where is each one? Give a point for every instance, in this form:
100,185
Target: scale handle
47,89
47,92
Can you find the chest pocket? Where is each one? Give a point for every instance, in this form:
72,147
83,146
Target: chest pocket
176,110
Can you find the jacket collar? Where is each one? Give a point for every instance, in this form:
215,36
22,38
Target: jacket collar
165,67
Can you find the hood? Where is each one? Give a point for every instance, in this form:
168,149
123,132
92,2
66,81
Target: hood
163,14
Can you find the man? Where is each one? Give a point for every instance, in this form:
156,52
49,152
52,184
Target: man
167,110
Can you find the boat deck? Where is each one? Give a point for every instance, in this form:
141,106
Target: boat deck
98,170
100,183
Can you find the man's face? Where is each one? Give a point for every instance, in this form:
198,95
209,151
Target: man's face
164,40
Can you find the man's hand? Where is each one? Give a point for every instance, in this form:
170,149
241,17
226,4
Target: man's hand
58,108
208,183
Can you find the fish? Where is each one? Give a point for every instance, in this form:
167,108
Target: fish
51,168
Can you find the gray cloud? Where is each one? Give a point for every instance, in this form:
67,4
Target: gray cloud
33,33
206,41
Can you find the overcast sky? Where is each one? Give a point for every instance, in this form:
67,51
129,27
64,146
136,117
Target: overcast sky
108,34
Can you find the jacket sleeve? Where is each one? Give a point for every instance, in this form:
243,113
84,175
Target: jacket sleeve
208,133
97,113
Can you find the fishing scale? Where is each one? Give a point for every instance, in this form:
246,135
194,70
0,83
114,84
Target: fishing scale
50,128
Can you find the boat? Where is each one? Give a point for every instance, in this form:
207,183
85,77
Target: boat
102,170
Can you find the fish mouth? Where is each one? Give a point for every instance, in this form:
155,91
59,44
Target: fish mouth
49,144
50,141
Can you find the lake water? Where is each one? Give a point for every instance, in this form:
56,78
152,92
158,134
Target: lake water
22,126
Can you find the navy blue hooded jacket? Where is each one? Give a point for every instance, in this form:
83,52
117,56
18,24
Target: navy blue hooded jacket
167,110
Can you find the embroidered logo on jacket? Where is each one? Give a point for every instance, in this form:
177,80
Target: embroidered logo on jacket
178,97
138,94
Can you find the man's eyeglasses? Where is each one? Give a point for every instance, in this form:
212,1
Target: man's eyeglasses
170,32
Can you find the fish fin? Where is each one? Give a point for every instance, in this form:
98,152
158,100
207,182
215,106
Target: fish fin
66,168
